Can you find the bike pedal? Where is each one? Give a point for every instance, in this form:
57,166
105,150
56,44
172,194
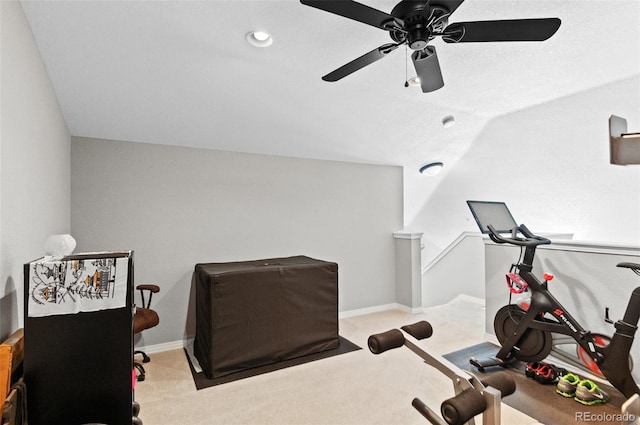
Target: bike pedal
484,363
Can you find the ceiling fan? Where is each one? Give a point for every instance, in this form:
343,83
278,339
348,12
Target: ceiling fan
416,23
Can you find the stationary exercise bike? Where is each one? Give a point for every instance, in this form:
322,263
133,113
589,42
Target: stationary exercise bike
524,332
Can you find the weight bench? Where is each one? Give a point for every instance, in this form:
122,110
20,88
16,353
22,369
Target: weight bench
472,395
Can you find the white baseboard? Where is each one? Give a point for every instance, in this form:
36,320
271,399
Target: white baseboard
379,308
407,309
469,298
366,310
165,346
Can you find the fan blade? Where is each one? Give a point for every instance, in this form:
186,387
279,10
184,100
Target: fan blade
361,62
428,69
505,30
358,12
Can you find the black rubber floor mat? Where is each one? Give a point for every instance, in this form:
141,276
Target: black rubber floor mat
201,381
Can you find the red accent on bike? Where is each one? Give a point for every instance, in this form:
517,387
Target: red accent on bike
589,363
601,341
515,283
548,276
558,312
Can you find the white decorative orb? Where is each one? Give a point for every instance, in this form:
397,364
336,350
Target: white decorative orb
59,245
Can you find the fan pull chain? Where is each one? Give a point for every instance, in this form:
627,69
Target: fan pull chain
406,73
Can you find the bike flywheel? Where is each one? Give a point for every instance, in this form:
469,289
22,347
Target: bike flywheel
533,346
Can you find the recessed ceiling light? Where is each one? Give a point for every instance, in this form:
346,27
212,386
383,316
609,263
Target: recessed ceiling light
431,169
448,121
259,38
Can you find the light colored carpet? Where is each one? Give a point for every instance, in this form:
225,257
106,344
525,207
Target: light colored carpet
351,389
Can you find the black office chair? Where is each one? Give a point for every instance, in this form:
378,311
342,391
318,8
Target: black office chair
144,318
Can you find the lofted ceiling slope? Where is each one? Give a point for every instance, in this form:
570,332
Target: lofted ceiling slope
181,73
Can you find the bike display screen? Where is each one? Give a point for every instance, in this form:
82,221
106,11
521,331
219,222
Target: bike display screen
492,213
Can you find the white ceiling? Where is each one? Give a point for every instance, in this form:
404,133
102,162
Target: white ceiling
181,73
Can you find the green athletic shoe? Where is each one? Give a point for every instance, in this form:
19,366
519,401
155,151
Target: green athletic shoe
567,385
588,392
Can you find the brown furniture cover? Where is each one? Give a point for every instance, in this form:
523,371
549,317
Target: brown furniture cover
253,313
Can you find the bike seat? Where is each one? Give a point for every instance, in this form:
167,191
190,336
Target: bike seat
633,266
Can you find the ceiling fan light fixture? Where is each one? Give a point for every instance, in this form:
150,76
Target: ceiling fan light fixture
428,68
415,23
259,38
414,81
431,169
448,121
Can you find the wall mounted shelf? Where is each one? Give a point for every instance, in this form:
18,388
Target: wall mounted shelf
624,147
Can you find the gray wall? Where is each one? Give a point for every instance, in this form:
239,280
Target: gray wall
34,161
176,207
459,270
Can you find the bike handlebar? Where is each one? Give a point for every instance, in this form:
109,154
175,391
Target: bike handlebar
529,239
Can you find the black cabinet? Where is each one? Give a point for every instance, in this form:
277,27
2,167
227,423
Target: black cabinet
253,313
78,340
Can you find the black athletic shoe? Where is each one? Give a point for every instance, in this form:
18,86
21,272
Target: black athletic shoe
544,373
